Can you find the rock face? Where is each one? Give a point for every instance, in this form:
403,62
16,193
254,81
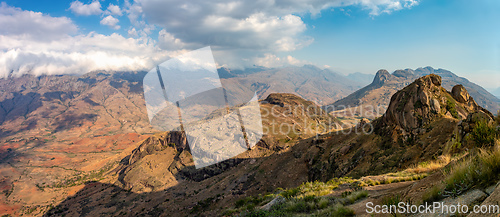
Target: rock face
407,73
381,77
152,145
425,100
416,104
460,94
492,201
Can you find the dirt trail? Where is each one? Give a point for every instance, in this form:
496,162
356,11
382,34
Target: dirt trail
376,193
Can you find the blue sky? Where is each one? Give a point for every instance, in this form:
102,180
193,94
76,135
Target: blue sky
345,35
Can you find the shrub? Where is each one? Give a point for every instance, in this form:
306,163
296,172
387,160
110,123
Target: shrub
355,196
432,194
479,170
336,211
450,106
484,134
290,193
391,200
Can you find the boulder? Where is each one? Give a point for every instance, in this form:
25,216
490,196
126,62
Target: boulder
435,106
460,94
491,201
469,198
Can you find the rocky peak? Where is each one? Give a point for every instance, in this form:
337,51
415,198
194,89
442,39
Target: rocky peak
407,73
381,77
421,102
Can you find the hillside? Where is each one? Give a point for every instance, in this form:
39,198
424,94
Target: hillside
65,130
419,152
158,177
57,130
420,119
91,150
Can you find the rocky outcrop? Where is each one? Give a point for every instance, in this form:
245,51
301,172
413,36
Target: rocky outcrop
381,77
154,144
415,105
424,100
407,73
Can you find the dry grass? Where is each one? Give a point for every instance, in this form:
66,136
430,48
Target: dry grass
478,170
413,173
430,166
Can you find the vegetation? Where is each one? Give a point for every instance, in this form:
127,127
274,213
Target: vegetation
312,205
476,171
484,134
433,194
310,198
450,106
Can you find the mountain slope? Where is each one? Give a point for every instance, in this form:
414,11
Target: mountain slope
419,121
58,130
372,100
159,178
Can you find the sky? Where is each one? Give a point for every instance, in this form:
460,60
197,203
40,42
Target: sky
75,37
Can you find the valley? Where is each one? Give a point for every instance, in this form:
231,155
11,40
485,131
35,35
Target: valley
76,146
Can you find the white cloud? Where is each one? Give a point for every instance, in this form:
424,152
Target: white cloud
79,54
132,33
32,25
167,41
79,8
273,61
234,26
111,22
241,33
114,10
22,51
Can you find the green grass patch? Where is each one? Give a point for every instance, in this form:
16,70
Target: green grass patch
450,106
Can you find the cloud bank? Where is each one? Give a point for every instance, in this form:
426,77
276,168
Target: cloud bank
241,33
49,46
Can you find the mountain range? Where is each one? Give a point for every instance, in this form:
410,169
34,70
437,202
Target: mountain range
322,86
158,179
372,100
83,144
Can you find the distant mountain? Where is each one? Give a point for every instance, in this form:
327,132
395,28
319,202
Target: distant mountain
364,79
384,85
322,86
